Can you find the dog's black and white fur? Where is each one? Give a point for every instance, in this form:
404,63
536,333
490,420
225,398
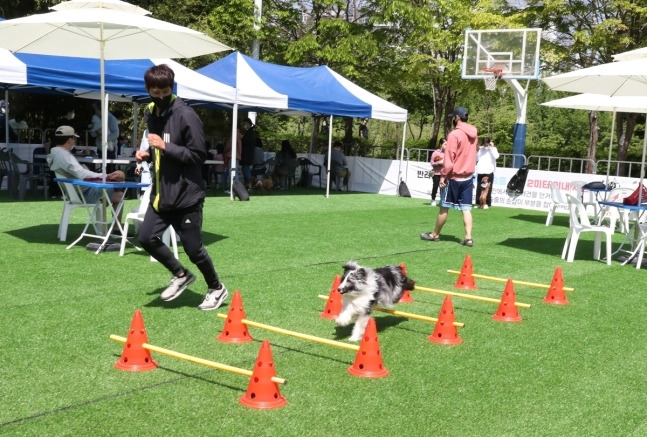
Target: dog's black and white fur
363,288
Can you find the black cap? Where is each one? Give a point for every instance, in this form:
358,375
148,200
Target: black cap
460,111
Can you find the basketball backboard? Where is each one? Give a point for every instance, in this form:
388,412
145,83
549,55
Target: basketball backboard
507,53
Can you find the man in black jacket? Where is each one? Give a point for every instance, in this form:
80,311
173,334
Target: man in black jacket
177,152
248,141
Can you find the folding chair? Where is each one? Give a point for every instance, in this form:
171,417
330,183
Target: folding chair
169,237
73,198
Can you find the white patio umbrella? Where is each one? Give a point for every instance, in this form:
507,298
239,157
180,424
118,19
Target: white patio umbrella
600,102
632,54
104,33
105,4
623,78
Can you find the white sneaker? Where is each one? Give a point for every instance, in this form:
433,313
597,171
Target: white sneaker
485,207
214,298
177,286
433,203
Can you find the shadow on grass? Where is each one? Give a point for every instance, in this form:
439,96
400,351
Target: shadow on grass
557,220
547,246
188,298
47,234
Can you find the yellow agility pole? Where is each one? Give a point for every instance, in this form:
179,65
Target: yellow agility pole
197,360
406,315
339,344
469,296
492,278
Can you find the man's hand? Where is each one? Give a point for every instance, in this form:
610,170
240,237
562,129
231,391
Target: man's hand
156,141
116,176
142,155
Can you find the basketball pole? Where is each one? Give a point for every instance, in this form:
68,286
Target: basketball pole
519,130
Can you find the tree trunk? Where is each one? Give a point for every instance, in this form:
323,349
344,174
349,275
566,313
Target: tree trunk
348,135
593,142
625,133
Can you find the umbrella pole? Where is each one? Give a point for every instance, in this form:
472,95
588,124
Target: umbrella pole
613,125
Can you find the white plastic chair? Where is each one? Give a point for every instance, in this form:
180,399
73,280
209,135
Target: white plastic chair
579,222
586,197
613,214
169,237
556,200
72,199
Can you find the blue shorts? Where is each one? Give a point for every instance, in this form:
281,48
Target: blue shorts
457,195
92,195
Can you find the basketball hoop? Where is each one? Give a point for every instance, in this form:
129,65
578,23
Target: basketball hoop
491,81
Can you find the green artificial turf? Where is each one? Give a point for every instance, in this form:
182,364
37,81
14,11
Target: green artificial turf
572,370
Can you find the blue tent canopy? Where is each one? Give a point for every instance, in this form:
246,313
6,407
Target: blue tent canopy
314,90
124,79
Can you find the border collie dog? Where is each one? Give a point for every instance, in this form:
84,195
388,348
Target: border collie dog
363,288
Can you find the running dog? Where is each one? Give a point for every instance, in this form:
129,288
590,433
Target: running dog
363,289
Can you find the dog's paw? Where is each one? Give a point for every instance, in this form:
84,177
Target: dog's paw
342,320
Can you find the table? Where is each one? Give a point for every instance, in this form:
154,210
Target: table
638,234
98,207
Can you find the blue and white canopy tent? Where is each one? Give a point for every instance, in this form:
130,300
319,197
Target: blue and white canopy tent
297,90
124,79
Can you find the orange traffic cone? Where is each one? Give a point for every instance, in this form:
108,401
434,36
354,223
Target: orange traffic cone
445,332
235,331
507,311
134,357
406,296
333,305
465,278
556,295
263,393
368,361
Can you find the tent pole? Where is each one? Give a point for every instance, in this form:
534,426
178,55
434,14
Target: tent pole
234,137
6,118
329,153
404,132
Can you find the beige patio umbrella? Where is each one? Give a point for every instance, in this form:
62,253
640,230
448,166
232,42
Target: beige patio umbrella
601,102
108,29
614,79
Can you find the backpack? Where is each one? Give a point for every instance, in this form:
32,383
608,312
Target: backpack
518,181
403,190
240,191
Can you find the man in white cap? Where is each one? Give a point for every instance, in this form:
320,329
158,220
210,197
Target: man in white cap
64,164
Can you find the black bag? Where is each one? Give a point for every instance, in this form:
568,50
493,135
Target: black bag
240,191
403,190
597,185
518,181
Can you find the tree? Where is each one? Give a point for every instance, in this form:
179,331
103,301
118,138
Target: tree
583,33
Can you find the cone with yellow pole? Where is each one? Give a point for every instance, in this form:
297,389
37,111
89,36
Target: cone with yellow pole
333,304
556,295
445,332
235,331
406,296
368,361
263,393
134,357
465,279
507,311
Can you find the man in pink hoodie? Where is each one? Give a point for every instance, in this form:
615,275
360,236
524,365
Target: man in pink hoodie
456,184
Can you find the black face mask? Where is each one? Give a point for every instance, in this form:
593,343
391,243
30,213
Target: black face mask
162,103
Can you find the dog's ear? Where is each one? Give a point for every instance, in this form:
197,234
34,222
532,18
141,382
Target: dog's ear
350,265
360,273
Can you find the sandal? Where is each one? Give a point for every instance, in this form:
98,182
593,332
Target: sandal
429,237
467,242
